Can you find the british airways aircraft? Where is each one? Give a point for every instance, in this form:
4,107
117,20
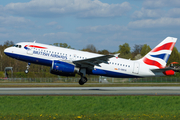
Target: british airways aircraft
68,62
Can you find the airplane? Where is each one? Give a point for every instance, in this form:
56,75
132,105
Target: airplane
68,62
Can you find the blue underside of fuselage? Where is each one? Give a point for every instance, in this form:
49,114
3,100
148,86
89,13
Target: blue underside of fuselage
30,59
49,63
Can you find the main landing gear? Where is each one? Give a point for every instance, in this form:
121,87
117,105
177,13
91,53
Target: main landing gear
28,66
83,78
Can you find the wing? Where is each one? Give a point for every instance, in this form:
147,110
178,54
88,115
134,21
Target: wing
91,62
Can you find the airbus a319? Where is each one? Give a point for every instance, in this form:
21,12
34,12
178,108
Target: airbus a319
68,62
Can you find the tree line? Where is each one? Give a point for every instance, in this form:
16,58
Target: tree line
125,51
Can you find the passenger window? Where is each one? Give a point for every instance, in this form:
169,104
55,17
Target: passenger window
19,46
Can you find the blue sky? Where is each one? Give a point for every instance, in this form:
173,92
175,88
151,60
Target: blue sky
104,23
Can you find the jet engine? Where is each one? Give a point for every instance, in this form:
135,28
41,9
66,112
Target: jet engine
63,68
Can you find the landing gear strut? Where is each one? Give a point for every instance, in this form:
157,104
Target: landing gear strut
83,78
28,66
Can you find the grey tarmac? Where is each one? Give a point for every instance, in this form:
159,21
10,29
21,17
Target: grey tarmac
91,91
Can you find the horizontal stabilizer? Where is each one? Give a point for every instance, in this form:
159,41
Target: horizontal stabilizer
162,69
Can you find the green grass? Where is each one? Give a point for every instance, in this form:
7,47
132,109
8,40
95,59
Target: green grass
89,107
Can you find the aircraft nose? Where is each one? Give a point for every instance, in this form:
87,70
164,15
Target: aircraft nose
7,50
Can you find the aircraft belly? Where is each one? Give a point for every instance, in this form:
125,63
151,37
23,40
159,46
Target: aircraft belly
119,74
113,73
31,59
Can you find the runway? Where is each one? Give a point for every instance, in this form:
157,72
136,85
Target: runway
91,91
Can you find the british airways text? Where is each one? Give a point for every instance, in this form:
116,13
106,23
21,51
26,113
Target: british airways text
49,54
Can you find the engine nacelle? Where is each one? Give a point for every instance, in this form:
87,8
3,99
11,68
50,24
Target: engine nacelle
63,68
169,72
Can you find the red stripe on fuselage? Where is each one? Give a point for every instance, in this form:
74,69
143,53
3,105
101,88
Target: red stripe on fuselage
152,62
34,46
167,46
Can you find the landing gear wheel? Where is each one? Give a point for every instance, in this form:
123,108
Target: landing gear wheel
26,71
82,80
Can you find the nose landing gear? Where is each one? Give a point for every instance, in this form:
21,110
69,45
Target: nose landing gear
28,66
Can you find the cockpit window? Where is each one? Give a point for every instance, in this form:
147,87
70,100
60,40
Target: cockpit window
18,46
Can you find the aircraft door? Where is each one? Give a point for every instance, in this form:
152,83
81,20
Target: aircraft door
30,48
71,58
136,68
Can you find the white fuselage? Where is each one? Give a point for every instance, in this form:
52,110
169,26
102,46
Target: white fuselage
45,54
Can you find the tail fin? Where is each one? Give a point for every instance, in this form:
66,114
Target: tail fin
159,56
